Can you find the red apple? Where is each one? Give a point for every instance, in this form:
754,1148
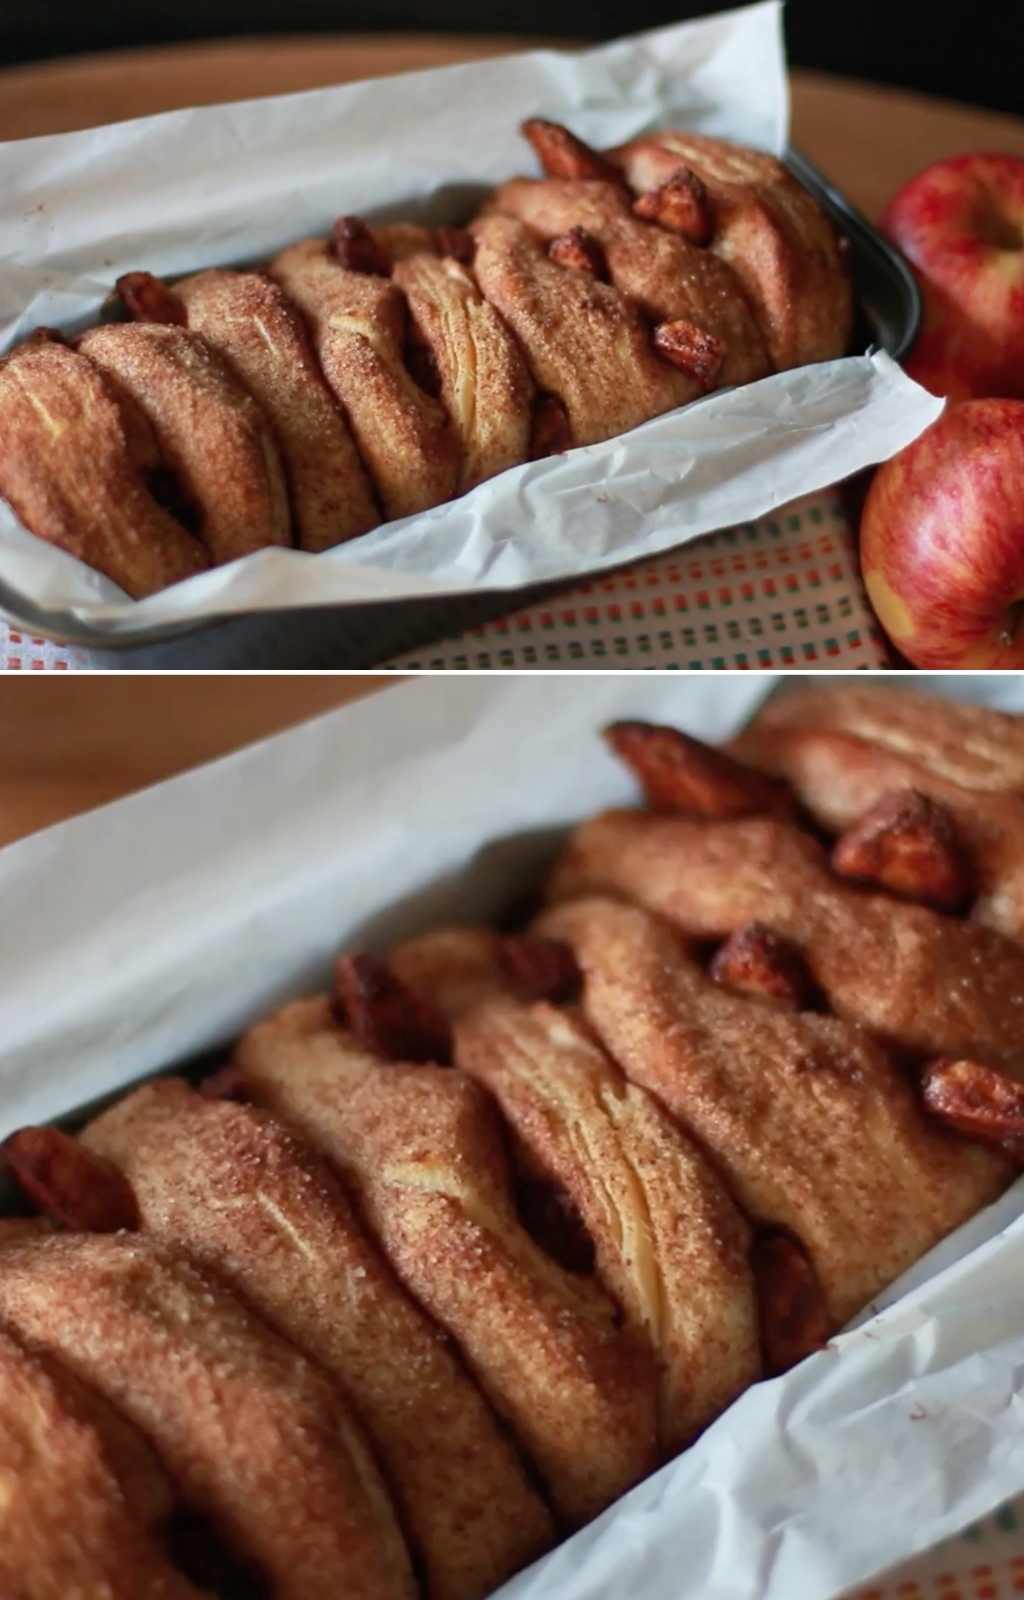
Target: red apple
942,539
961,224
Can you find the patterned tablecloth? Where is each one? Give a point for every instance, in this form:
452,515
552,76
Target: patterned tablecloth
984,1563
782,592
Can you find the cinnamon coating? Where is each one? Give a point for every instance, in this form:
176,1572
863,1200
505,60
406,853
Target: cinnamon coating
572,310
422,1147
253,1435
79,1489
455,968
808,1119
212,432
907,844
844,749
357,322
666,276
74,456
931,984
250,321
670,1246
680,204
585,343
768,229
484,383
245,1198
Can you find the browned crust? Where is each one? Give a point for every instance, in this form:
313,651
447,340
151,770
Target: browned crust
248,1200
665,275
73,458
908,844
844,748
485,385
70,1521
808,1119
249,320
585,343
423,1148
928,983
769,230
670,1245
357,323
251,1433
210,429
683,774
457,967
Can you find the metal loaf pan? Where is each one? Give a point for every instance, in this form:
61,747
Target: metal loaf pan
887,314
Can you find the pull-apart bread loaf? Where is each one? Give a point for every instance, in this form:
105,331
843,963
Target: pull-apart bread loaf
444,1260
376,372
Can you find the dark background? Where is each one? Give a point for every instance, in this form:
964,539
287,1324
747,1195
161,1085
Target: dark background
971,52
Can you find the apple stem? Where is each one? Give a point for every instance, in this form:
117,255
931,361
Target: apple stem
1014,618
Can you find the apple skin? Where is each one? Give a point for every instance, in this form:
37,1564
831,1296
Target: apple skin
960,223
942,540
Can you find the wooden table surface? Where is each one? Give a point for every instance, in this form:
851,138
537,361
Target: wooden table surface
867,138
72,743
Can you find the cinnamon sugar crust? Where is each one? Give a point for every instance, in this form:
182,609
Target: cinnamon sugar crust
251,1433
72,1521
248,1200
485,385
74,454
769,230
210,429
662,273
927,983
844,748
808,1119
423,1148
670,1246
454,968
251,323
357,322
585,343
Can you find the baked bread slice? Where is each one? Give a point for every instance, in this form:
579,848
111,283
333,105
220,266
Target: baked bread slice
77,464
252,1434
930,984
232,1187
422,1147
812,1124
845,749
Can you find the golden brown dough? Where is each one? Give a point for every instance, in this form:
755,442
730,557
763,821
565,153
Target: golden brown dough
423,1147
670,1246
454,968
245,1198
210,429
485,386
253,1435
250,322
70,1519
665,275
401,239
928,983
584,342
807,1117
74,455
357,321
769,230
844,748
